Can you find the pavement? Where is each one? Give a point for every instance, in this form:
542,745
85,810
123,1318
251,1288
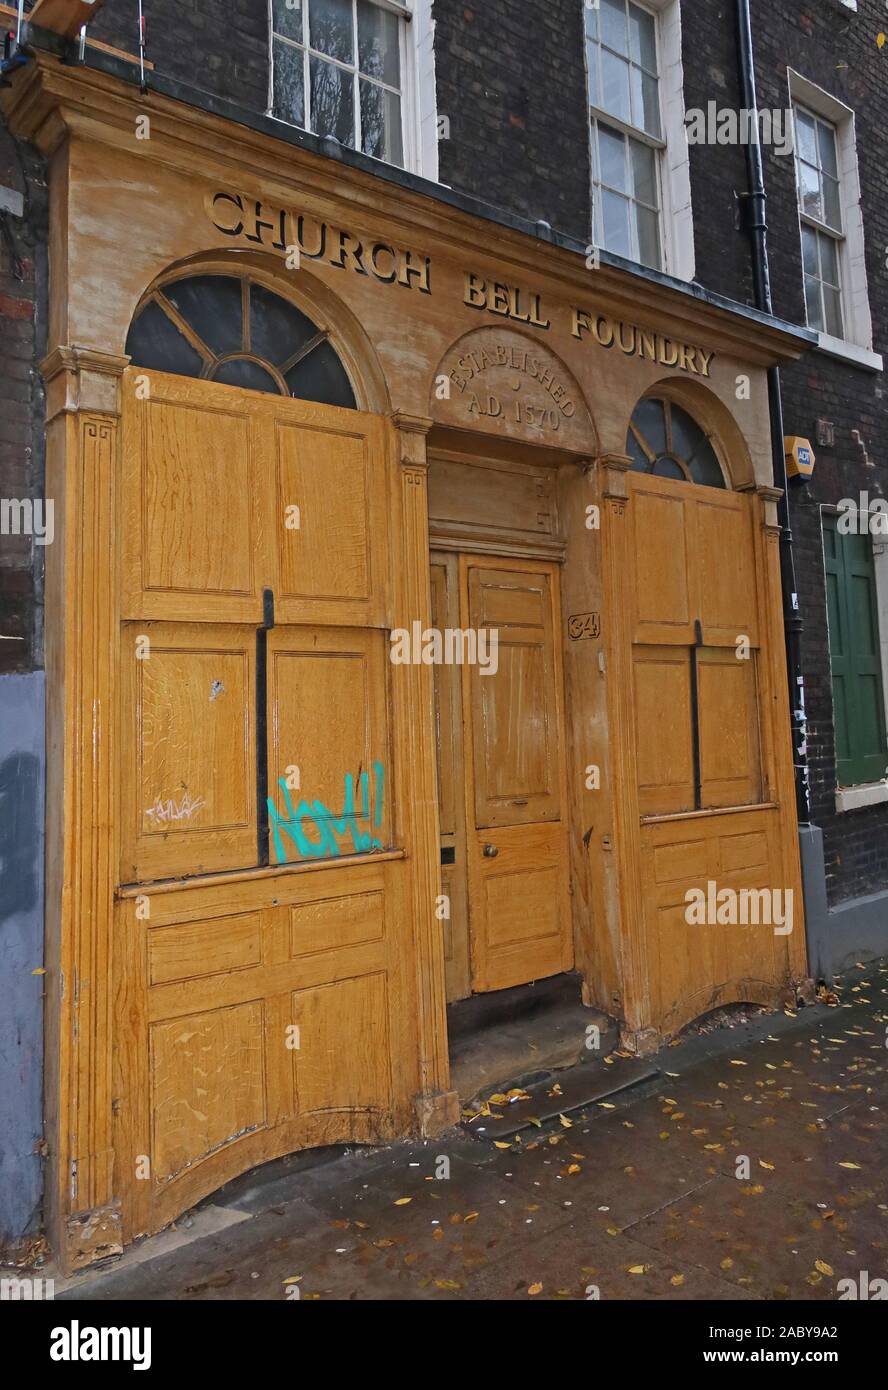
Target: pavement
746,1163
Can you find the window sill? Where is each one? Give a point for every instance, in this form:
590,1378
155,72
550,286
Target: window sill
856,798
849,352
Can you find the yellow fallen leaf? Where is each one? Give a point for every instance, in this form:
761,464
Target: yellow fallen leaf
823,1267
880,40
472,1216
498,1099
727,1263
574,1168
849,1165
294,1279
736,1063
38,971
769,1166
534,1121
535,1289
447,1284
606,1105
565,1122
677,1280
402,1201
362,1225
501,1144
637,1269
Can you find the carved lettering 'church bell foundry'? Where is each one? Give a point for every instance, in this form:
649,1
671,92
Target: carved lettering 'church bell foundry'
295,408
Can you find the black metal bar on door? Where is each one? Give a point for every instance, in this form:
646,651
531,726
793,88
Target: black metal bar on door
262,724
695,715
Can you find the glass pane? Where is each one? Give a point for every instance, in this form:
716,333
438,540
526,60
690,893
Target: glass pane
829,260
615,86
705,470
826,144
809,191
642,38
667,468
381,123
213,307
650,421
639,457
806,137
591,12
592,52
332,102
644,172
613,25
615,215
321,377
813,306
832,205
650,112
331,29
154,342
277,328
379,43
832,305
249,375
687,437
809,251
288,18
647,225
288,98
612,158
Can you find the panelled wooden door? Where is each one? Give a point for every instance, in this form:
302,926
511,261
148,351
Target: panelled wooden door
707,801
512,777
263,939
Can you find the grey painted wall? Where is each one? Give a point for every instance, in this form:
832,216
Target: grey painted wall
21,953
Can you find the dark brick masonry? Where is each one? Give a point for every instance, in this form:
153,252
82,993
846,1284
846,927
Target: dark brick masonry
511,79
22,339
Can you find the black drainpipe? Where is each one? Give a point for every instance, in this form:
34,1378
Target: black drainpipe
756,201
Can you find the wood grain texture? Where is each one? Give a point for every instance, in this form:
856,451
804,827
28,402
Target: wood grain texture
519,910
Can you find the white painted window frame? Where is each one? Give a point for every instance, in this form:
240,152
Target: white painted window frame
674,160
419,117
857,343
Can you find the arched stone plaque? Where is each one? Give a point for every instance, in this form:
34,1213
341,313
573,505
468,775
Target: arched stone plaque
504,382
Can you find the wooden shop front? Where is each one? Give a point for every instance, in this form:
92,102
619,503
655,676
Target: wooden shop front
414,630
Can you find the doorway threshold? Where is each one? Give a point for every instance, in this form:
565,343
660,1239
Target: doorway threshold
515,1037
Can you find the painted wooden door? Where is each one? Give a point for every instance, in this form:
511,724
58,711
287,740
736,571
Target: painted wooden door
451,767
263,939
514,791
712,812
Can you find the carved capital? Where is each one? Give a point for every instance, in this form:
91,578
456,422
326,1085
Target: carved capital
614,468
80,378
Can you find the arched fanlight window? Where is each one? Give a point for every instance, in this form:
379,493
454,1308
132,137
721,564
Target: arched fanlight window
230,329
664,439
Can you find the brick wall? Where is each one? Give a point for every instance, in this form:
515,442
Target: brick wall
511,79
718,172
22,340
837,50
220,46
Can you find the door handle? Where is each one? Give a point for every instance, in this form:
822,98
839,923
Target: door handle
490,851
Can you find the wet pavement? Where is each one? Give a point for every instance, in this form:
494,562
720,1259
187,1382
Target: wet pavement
754,1166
